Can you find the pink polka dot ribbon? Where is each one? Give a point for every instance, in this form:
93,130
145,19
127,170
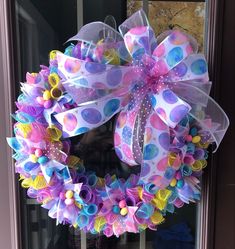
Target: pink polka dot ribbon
159,86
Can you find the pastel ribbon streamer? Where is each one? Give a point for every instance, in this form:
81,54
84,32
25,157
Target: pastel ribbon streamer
91,209
145,211
53,166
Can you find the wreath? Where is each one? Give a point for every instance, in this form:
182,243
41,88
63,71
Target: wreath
159,89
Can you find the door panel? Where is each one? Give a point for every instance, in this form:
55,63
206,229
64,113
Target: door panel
45,25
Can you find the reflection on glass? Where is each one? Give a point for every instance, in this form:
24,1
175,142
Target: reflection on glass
126,241
133,6
188,16
178,231
42,26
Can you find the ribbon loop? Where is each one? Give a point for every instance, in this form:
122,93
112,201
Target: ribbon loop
84,118
138,19
96,31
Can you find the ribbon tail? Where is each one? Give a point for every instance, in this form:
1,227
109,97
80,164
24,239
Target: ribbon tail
123,137
119,227
129,130
59,213
155,167
130,223
55,210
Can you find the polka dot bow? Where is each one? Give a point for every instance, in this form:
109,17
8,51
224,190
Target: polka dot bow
155,84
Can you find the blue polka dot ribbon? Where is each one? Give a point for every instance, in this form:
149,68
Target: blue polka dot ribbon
61,170
162,81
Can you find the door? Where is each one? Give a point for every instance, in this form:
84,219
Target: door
41,26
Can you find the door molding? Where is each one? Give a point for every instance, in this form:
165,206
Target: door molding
9,204
214,27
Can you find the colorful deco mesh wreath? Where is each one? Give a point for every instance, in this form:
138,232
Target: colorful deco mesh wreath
159,89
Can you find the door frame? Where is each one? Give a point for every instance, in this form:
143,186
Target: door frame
9,204
215,11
